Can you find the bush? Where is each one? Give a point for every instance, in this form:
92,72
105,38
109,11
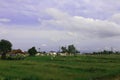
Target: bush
17,56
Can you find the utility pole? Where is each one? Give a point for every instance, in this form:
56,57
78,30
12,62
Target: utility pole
39,50
59,48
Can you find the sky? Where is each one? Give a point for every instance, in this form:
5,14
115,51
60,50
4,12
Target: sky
91,25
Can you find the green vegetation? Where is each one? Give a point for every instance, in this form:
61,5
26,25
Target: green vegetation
5,46
15,56
82,67
96,66
71,49
32,51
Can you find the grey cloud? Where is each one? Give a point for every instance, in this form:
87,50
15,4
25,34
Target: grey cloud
84,23
81,25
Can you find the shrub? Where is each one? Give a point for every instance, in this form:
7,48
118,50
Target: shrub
17,56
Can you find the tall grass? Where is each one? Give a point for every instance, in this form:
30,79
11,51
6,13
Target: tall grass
83,67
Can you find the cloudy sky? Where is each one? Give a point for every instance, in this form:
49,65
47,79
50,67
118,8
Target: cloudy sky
48,24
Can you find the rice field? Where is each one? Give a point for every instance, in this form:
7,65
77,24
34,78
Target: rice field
82,67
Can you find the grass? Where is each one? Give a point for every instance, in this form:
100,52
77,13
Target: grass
83,67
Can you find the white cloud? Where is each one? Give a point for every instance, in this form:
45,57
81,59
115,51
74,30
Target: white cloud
43,45
66,24
35,37
4,20
115,18
73,34
83,26
56,14
63,29
3,31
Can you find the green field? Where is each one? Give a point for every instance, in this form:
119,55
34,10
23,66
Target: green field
83,67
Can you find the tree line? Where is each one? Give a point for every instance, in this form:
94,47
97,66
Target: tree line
6,46
71,49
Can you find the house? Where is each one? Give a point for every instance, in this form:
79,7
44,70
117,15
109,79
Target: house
63,54
16,51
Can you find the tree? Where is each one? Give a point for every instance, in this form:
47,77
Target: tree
64,49
72,49
32,51
5,46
